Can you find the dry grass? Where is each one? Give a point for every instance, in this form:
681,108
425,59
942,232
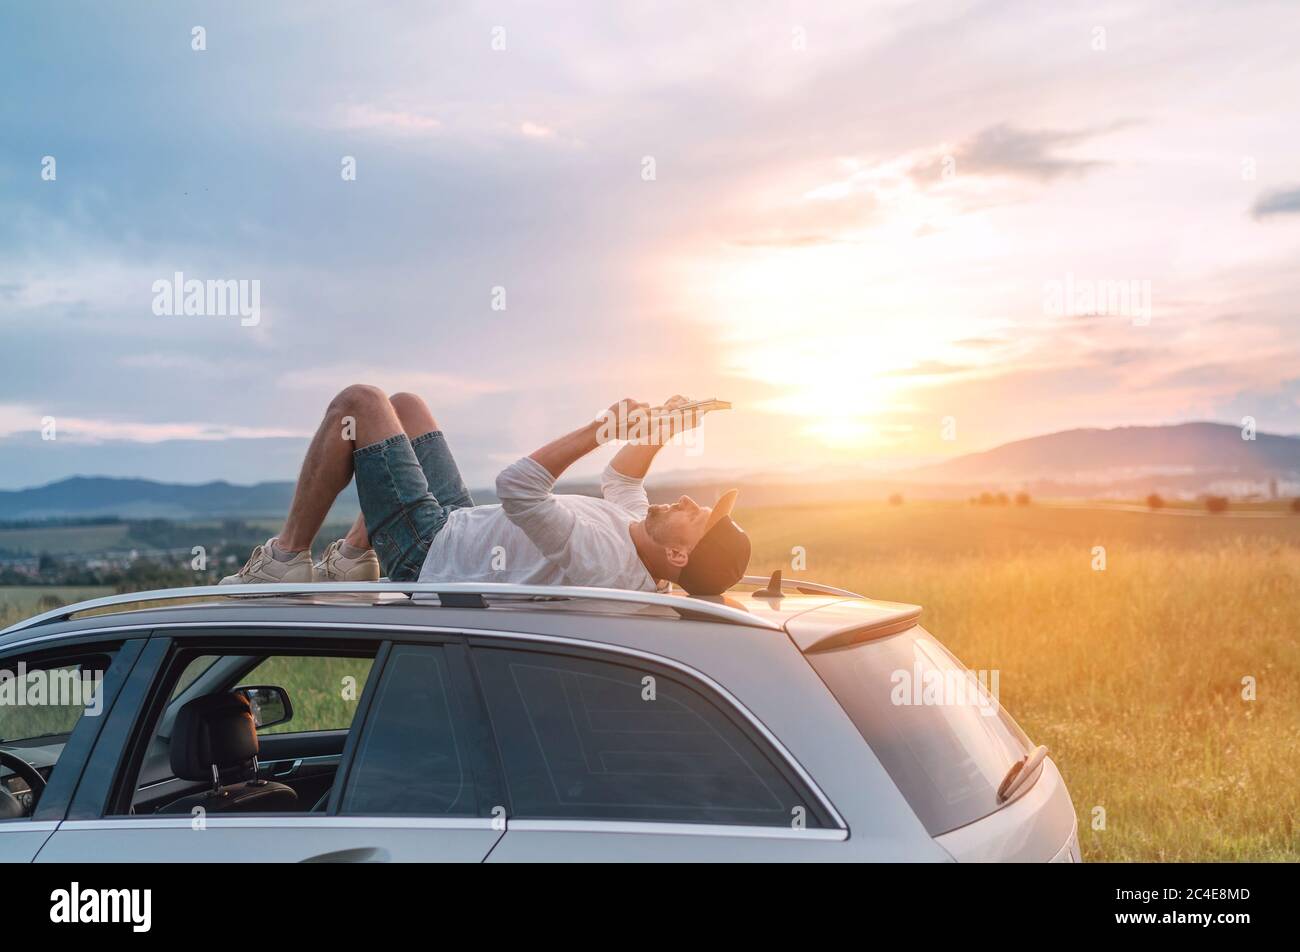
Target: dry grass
1132,675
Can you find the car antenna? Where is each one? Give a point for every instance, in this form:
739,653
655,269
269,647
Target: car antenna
773,589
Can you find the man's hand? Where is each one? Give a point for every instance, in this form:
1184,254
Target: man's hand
669,421
647,434
626,420
634,422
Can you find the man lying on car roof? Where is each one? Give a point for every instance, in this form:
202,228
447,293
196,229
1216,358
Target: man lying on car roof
422,523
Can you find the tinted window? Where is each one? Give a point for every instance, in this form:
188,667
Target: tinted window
416,751
193,671
942,736
582,738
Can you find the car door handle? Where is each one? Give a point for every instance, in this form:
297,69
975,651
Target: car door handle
360,854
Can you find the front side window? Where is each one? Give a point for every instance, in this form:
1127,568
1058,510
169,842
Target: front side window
592,739
324,690
41,704
304,708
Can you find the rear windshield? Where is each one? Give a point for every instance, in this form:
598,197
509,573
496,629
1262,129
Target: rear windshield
935,726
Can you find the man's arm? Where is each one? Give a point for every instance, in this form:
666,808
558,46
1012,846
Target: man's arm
559,455
525,488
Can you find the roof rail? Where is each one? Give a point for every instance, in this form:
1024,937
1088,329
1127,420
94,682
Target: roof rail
450,595
807,588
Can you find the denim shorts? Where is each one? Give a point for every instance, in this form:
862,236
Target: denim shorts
407,489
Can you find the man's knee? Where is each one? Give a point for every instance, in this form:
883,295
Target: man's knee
357,398
413,412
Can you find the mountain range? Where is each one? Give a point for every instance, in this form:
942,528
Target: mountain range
1182,459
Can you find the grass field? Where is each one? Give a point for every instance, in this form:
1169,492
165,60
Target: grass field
22,601
316,690
64,540
1131,675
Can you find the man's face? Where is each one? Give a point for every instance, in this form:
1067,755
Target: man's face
677,526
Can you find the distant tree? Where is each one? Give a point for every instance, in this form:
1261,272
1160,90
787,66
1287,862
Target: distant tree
1154,501
1295,504
896,499
1002,500
1216,503
986,499
1022,499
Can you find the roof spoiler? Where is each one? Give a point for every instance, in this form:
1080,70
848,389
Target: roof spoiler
845,623
774,586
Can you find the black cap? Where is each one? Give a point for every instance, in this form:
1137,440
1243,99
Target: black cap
720,558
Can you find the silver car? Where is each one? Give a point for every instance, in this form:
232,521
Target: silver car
429,722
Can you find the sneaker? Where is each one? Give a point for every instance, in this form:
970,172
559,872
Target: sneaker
334,566
264,567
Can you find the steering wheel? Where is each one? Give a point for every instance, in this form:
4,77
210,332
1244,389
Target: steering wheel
35,785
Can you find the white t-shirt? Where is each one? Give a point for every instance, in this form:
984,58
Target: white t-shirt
535,537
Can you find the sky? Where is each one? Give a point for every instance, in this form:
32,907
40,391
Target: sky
888,233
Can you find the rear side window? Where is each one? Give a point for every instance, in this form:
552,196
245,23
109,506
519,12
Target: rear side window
945,741
601,740
416,755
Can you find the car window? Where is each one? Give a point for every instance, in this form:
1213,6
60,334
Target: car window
193,671
416,755
605,740
943,737
41,704
323,691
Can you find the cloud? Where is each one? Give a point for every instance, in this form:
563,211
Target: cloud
825,216
1277,201
16,419
535,130
1005,150
439,388
928,368
368,118
791,187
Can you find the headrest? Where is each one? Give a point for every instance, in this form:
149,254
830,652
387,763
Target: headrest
216,729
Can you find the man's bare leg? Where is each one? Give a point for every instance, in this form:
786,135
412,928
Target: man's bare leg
416,419
359,416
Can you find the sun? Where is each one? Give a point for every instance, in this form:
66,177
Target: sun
836,337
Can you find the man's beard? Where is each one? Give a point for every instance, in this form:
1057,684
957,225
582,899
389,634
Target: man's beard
656,524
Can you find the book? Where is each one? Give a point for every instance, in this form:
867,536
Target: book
696,408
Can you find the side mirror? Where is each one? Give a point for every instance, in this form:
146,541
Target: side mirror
270,704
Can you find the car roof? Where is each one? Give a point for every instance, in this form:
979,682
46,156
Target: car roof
827,616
